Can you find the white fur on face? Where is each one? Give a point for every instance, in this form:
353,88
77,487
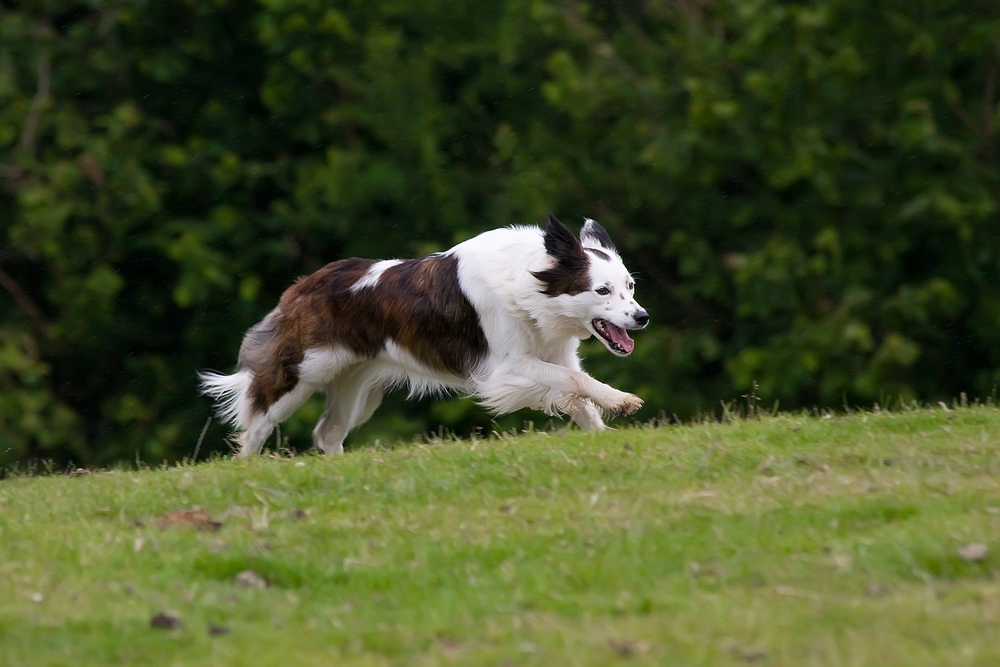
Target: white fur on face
611,297
619,304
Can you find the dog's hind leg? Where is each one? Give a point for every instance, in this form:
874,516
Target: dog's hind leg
586,415
262,423
351,399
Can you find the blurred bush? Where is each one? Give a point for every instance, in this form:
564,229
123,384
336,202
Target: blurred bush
807,191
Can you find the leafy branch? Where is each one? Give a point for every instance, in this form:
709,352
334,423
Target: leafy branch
26,142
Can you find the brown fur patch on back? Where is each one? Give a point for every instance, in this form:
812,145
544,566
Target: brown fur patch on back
417,303
426,312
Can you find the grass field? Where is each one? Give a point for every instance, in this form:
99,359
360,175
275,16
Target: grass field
786,540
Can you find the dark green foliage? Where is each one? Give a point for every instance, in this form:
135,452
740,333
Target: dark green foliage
807,191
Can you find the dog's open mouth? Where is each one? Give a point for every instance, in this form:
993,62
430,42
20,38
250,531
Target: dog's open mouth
618,339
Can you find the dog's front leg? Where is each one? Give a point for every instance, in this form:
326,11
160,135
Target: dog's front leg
584,413
552,388
609,399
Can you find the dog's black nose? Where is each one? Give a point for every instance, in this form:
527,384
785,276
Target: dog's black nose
641,317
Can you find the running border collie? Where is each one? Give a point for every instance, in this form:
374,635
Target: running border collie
499,316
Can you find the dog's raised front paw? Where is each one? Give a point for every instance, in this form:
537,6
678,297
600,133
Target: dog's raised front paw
631,404
622,404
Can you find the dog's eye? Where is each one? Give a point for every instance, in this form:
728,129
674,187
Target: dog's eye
603,291
631,286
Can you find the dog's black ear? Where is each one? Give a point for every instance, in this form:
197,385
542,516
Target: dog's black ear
569,274
559,241
592,232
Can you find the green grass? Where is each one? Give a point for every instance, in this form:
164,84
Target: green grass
787,540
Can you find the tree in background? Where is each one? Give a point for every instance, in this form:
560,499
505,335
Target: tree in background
808,191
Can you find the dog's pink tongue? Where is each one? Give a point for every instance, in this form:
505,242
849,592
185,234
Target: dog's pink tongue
621,337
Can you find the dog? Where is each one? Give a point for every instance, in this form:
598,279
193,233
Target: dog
499,316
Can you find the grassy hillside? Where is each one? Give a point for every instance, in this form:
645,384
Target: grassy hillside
787,540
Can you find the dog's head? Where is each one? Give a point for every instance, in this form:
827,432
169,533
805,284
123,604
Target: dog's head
592,284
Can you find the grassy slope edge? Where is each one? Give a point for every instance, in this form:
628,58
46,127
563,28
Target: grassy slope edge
787,540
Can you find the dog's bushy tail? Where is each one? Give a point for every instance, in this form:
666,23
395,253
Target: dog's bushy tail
230,393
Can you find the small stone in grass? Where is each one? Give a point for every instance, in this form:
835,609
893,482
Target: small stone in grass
217,631
250,579
164,621
973,553
874,591
37,597
195,517
753,654
626,648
